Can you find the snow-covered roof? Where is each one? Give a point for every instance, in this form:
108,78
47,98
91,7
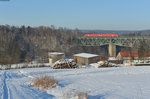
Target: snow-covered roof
86,55
55,53
112,58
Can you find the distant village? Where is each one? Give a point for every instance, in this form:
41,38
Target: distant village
122,59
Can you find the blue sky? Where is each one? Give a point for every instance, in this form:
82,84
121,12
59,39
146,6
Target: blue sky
82,14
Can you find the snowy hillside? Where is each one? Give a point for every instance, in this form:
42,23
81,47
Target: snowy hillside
102,83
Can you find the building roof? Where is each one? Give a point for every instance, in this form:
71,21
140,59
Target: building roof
103,58
55,53
129,54
86,55
133,54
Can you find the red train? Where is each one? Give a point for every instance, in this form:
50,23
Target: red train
100,35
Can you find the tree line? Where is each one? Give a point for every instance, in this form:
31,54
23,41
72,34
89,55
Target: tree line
25,43
22,44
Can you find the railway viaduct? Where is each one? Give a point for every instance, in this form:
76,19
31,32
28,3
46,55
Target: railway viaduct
111,42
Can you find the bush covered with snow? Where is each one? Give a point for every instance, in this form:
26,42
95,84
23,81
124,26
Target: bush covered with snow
5,67
103,64
64,64
23,65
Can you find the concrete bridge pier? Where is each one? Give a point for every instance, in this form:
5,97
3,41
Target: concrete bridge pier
112,50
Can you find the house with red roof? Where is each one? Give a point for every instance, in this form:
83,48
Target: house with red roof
131,58
127,55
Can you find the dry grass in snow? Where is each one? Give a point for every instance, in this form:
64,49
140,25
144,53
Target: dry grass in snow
78,95
82,96
44,82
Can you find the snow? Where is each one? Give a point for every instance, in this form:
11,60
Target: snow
112,58
55,53
94,65
86,55
100,83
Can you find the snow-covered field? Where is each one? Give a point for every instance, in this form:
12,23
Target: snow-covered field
100,83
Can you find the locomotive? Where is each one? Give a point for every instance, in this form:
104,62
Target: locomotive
101,35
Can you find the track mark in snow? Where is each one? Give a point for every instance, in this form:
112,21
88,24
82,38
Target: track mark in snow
14,87
5,89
